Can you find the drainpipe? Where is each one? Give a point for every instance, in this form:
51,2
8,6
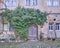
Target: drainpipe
55,28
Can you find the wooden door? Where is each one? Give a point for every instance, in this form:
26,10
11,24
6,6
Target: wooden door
33,32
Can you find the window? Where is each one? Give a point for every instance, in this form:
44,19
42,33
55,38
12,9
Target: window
56,3
5,26
50,26
11,27
28,2
57,26
49,2
34,2
6,2
13,3
10,2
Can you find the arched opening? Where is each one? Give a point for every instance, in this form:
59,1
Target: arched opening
33,32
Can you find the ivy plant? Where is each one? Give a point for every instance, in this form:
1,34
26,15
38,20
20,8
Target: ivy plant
20,18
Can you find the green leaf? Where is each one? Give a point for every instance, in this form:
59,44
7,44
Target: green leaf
22,17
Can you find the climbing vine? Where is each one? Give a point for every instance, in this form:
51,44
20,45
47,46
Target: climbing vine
22,17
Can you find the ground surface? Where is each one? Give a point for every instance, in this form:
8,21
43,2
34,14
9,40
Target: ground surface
32,44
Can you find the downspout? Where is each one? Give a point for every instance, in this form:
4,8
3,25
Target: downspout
55,28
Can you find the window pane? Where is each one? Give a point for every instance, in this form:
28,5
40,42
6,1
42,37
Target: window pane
49,2
56,3
28,2
35,2
5,27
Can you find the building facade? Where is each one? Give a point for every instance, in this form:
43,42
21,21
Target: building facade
51,28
